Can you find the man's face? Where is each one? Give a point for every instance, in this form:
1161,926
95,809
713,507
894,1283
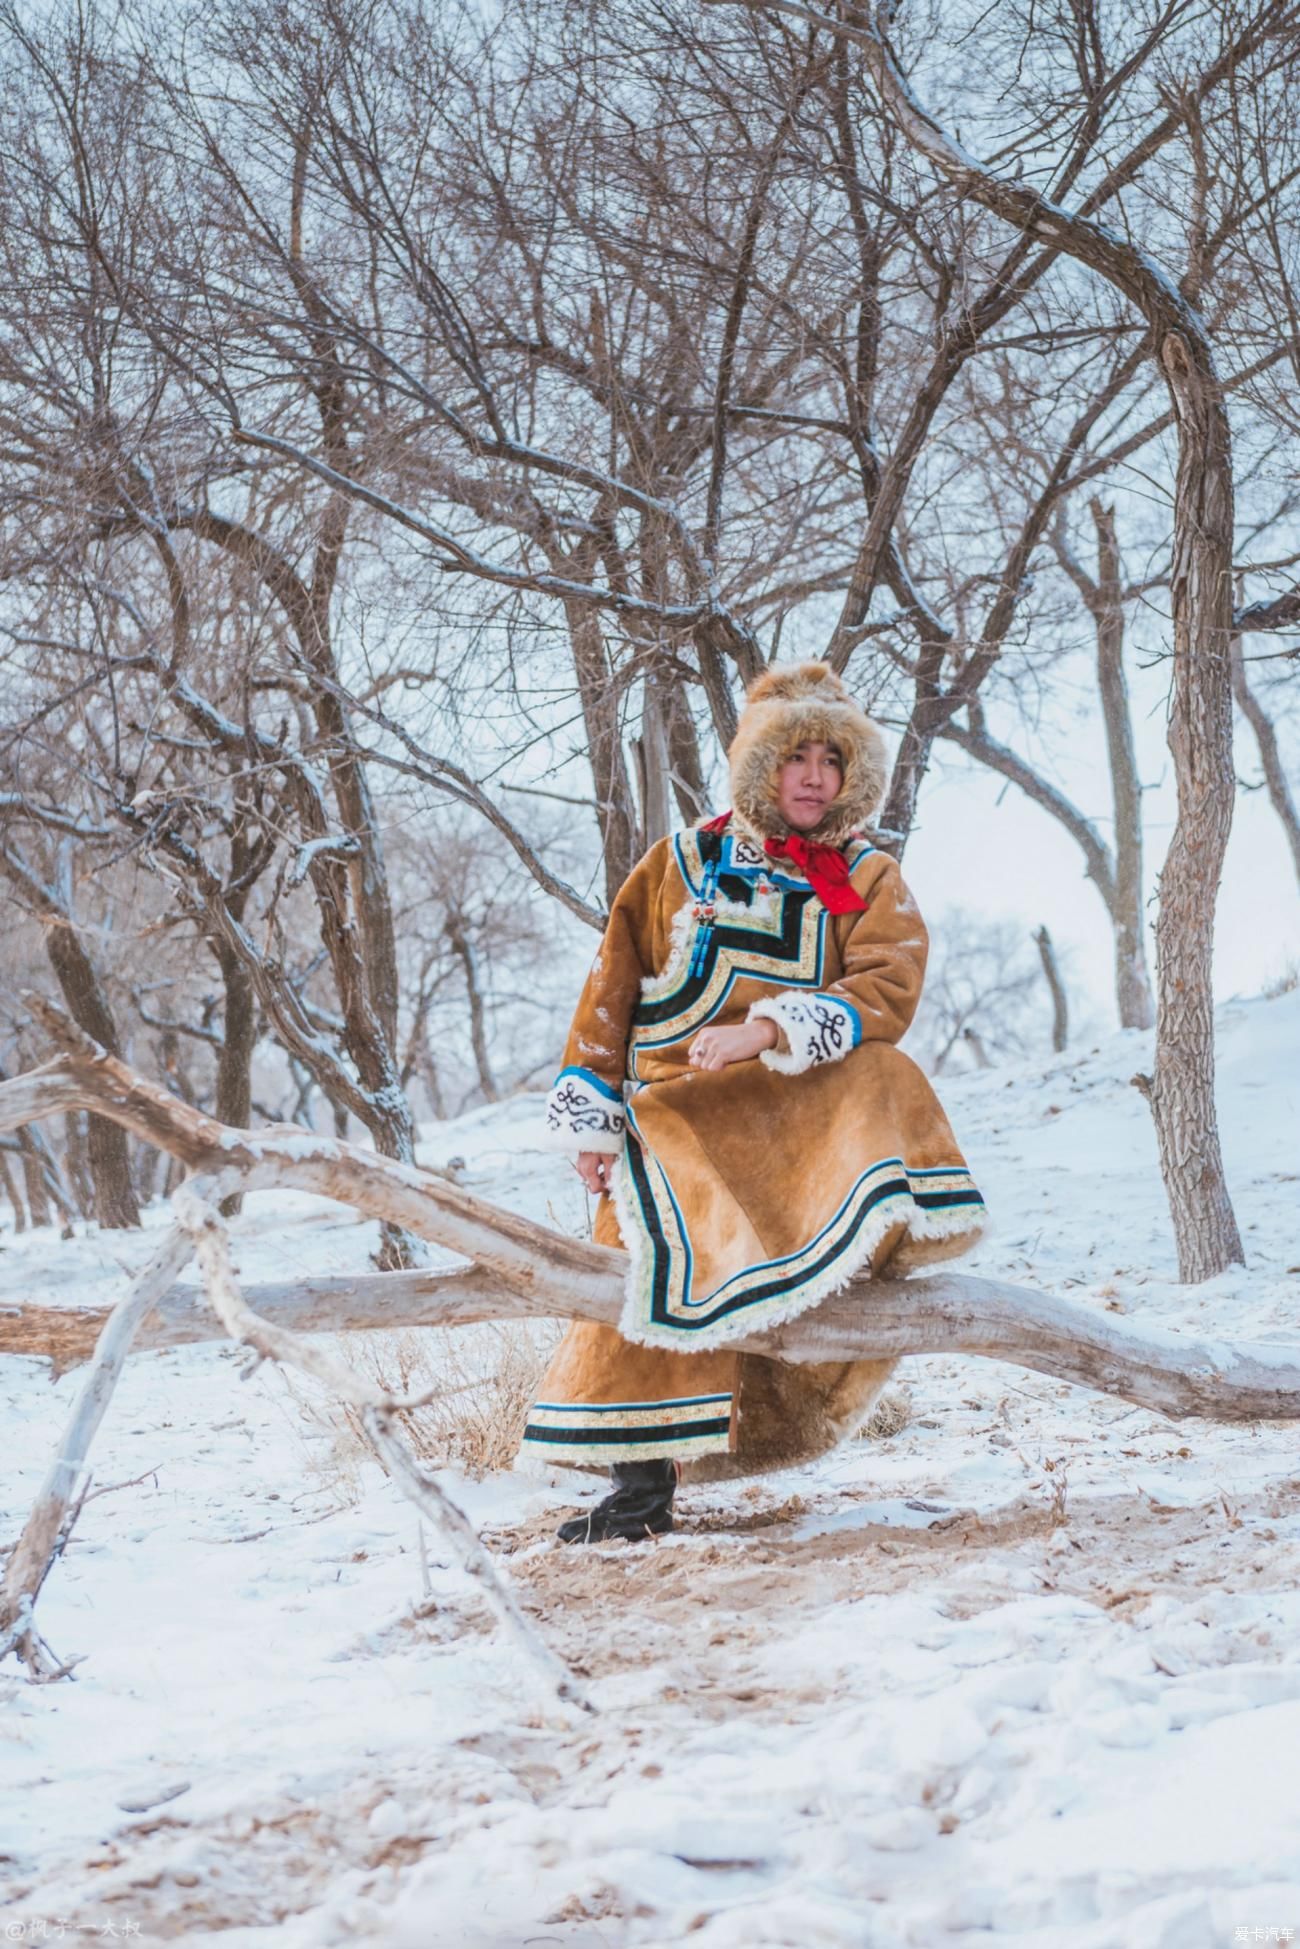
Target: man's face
807,782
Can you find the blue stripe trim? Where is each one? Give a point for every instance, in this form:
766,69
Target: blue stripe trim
962,1196
625,1407
683,1233
795,987
842,1001
681,863
605,1089
717,1429
759,1275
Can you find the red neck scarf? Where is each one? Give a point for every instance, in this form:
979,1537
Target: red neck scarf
824,867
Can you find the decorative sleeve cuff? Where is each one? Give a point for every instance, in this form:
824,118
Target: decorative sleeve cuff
584,1113
812,1028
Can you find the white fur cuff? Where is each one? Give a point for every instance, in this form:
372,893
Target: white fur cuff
813,1028
584,1113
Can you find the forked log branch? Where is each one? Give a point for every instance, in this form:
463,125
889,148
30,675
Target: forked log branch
44,1532
86,1076
517,1269
522,1269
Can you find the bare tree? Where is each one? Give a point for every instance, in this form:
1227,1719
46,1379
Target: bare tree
1181,1091
1056,988
982,993
1276,782
42,894
1114,868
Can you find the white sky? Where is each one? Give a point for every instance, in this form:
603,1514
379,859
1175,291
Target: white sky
980,842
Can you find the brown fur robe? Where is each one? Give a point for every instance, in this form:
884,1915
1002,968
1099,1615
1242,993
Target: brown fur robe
744,1195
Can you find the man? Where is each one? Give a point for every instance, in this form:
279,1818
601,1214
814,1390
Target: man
732,1090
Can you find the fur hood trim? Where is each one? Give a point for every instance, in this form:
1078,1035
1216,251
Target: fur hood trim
789,705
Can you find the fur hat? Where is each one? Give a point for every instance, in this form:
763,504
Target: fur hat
793,704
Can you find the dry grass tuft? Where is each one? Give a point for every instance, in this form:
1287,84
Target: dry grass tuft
486,1379
890,1416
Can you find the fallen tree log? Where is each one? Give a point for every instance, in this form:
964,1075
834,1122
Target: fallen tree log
514,1268
1173,1373
518,1268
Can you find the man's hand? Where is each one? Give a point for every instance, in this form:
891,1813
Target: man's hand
715,1048
596,1169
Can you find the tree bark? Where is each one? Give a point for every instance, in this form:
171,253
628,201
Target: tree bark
107,1152
463,949
684,756
943,1312
1132,982
9,1184
238,1041
600,715
75,1162
38,1198
1060,1003
1200,741
654,765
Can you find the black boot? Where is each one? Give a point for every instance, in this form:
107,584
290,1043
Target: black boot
641,1505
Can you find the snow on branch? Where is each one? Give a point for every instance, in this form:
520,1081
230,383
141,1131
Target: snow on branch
330,845
1281,612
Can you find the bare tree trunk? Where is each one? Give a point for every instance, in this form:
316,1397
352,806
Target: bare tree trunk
427,1071
463,949
38,1199
305,1087
600,700
1132,982
108,1155
974,1042
366,869
42,1178
654,765
912,759
1275,778
11,1191
1200,740
1060,1004
419,1059
107,1152
51,1176
521,1268
684,756
235,1059
75,1162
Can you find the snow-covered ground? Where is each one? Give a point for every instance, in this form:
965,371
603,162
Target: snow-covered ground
1027,1672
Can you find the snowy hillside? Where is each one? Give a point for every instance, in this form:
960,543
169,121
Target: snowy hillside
1026,1672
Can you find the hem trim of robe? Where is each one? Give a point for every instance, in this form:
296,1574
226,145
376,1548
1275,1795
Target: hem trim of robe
598,1433
941,1205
